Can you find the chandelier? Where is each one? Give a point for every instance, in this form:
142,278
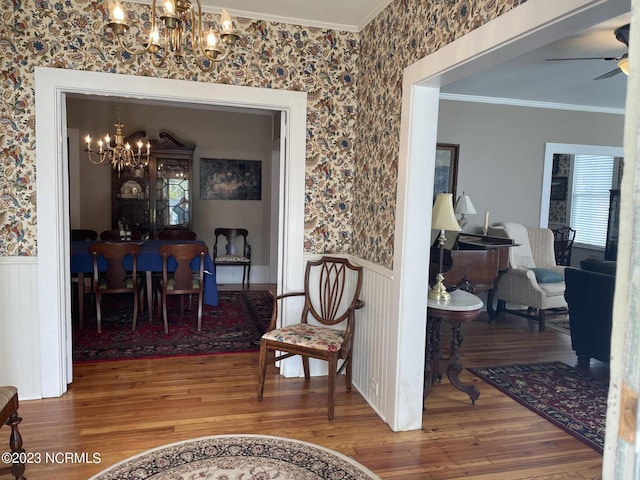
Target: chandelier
119,154
178,18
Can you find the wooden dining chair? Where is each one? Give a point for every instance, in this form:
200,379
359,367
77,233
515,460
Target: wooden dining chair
116,279
176,234
9,416
83,235
325,331
183,280
235,252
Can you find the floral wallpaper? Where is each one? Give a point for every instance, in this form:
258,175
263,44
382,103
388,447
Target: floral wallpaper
71,34
405,32
353,120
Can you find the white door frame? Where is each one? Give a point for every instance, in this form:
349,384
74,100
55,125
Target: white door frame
51,87
520,30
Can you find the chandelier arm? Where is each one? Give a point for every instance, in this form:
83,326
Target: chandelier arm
101,160
130,51
159,63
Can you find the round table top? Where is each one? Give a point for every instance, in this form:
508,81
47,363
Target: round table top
460,301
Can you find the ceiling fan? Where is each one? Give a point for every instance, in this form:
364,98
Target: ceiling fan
622,35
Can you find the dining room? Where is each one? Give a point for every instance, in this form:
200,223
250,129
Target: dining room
165,187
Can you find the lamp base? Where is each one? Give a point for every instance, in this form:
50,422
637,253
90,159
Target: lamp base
439,292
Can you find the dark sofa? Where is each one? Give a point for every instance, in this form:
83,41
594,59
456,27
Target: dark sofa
589,294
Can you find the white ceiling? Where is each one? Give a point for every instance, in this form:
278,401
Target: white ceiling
527,78
530,78
350,15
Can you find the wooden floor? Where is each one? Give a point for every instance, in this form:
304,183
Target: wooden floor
118,409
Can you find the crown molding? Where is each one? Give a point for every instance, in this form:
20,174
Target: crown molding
530,103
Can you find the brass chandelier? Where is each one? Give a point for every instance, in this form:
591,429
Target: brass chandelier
119,155
178,18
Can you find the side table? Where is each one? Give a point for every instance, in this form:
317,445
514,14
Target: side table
463,307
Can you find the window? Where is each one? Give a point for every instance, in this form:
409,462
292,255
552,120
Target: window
591,182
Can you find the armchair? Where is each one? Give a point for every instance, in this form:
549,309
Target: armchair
326,327
533,279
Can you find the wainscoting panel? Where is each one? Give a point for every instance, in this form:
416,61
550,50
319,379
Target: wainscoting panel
371,346
19,326
370,372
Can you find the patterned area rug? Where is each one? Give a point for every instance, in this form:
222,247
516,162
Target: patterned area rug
238,457
559,393
560,323
235,325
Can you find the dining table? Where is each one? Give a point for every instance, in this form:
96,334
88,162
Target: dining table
149,261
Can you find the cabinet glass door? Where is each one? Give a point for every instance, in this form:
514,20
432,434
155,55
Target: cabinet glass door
172,194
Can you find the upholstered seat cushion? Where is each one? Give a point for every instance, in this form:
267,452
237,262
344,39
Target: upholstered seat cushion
553,289
231,259
195,284
305,335
6,394
103,284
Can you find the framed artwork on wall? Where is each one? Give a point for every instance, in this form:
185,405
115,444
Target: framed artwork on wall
446,173
223,179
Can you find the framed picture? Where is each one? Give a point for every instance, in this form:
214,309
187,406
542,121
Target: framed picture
222,179
446,173
558,188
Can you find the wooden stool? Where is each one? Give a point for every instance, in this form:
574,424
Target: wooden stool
9,416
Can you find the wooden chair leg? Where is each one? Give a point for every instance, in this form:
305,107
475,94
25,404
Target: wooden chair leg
99,312
262,370
15,444
541,319
200,294
305,367
135,311
331,389
164,313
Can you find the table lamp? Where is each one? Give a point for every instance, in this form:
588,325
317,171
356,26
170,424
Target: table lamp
464,206
442,218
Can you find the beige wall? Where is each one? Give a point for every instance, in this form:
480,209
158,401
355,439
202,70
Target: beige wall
502,152
216,134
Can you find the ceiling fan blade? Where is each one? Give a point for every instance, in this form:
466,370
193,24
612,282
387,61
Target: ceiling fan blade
610,74
582,58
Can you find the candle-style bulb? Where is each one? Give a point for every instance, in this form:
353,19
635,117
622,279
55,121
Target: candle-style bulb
117,13
225,20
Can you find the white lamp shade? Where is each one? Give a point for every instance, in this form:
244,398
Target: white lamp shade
443,217
464,206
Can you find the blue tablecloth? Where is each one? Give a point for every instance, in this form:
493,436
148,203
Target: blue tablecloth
149,260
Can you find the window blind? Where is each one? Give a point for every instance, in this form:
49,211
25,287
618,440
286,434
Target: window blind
592,176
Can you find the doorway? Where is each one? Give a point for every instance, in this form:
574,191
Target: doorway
52,87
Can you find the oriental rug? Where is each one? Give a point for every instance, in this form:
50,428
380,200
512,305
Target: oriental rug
234,326
563,395
236,457
560,323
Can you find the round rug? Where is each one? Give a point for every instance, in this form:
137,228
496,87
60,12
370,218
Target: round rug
238,457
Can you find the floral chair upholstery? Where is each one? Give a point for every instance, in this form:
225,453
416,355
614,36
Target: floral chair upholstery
325,331
533,279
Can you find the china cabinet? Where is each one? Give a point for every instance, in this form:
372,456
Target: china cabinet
158,195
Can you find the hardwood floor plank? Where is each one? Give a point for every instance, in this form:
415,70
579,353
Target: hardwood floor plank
119,409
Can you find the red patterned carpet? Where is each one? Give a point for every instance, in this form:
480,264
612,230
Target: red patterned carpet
235,325
561,394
